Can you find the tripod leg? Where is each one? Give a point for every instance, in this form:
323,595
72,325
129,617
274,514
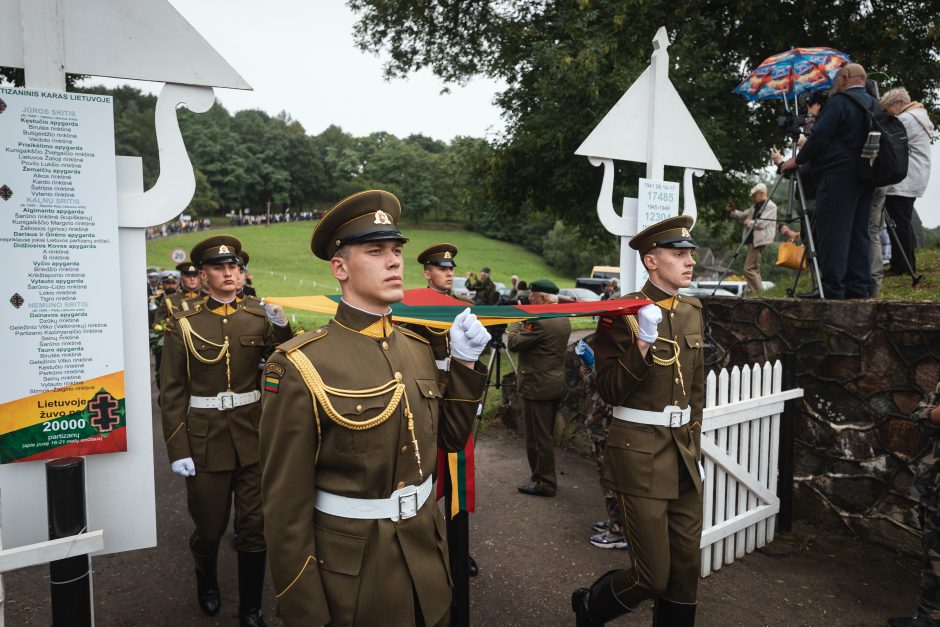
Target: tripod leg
809,241
897,248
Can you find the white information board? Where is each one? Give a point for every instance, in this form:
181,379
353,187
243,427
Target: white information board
62,392
656,201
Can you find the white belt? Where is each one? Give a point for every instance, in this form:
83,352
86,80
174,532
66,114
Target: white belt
443,364
670,416
225,400
403,503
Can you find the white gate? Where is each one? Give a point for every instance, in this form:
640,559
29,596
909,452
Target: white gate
740,440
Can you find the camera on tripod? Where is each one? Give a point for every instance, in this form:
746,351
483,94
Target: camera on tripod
793,125
496,336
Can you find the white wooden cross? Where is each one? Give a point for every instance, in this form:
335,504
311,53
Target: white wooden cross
649,124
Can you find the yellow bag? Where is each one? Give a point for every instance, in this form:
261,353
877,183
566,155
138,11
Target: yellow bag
789,255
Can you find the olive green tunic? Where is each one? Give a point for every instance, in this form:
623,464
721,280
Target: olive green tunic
654,470
219,442
342,571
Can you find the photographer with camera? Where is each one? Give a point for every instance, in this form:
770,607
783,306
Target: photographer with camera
759,221
484,287
541,345
843,200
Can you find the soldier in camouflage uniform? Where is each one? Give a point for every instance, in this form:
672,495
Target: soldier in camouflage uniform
609,532
927,482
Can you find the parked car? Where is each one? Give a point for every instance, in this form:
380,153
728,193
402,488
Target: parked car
576,295
600,276
459,287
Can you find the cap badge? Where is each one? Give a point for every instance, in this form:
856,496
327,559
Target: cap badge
382,218
447,254
685,232
191,268
223,249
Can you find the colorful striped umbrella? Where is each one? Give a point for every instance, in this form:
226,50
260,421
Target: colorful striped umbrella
792,72
431,308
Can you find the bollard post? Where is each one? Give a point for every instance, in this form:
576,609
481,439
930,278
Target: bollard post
787,437
69,578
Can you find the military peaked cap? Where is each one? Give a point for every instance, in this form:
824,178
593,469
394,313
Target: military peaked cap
187,267
243,258
217,249
364,217
670,233
439,255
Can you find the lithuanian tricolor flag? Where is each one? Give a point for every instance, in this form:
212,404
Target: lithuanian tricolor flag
459,467
431,308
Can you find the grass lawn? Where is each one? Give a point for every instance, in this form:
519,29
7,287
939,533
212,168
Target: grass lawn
281,263
893,288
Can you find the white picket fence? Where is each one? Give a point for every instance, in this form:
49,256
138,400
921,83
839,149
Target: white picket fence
740,440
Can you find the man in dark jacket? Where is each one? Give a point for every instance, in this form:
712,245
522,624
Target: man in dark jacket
843,201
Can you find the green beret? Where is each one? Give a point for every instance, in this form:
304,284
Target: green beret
670,233
364,217
217,249
543,285
439,255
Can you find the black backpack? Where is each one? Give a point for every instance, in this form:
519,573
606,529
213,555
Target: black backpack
890,164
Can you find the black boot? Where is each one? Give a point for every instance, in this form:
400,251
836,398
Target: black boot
920,620
207,584
596,605
668,613
251,567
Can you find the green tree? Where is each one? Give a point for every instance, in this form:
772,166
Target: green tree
566,63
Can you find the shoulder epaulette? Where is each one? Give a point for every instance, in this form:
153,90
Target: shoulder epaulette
254,307
304,338
691,300
411,334
182,313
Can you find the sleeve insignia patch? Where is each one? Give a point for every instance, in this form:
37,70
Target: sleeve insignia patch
272,378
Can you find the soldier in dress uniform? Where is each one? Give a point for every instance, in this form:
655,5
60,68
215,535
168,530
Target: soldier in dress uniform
541,345
243,287
650,367
175,300
210,401
352,416
439,262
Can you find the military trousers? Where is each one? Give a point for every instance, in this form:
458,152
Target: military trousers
209,497
664,537
538,417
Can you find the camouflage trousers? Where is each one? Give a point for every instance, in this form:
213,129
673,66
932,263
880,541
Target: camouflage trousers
598,425
929,601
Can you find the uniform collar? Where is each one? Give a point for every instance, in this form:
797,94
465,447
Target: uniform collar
222,309
371,325
659,296
190,294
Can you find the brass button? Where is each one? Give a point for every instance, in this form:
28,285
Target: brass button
398,376
696,345
430,392
319,330
401,484
672,314
404,450
384,345
675,402
322,562
358,407
678,296
224,320
654,347
677,379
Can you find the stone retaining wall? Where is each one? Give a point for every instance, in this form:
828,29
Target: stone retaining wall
864,367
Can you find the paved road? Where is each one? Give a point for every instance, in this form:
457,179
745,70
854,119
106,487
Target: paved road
532,552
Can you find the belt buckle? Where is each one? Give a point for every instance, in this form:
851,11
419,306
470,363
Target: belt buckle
226,400
675,419
408,504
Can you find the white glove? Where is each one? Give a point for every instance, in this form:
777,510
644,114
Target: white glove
184,467
468,337
649,318
275,314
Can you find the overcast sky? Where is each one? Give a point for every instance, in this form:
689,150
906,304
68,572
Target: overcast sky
299,57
